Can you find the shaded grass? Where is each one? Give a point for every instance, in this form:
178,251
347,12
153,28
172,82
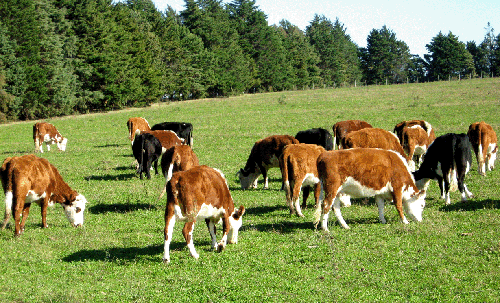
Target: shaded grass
453,255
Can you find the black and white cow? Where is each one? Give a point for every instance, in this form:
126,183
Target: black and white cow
147,150
448,160
183,129
318,136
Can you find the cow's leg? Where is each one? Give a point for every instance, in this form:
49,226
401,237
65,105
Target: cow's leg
446,191
169,228
43,208
25,213
187,231
338,214
266,179
212,230
296,198
397,196
147,168
462,171
156,166
289,195
48,146
225,232
481,165
380,203
329,192
9,208
440,181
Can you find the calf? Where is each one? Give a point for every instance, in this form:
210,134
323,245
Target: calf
167,138
27,179
183,129
367,172
484,142
298,169
147,150
448,160
177,158
264,155
201,193
376,138
134,125
44,132
398,129
415,142
319,136
342,128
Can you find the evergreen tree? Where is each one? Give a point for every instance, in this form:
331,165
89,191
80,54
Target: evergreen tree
301,56
385,58
448,57
339,62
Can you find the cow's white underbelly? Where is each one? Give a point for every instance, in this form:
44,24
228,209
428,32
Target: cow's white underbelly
310,180
205,212
31,197
355,189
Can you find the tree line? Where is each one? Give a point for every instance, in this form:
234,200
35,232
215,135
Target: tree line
62,57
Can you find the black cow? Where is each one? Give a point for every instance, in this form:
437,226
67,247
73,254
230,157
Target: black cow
318,136
146,150
183,129
448,160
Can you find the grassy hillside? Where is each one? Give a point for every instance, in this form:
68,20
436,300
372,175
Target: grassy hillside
453,255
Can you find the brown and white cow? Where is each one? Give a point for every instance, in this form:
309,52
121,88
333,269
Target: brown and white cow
136,124
376,138
27,179
167,138
44,132
265,154
299,170
367,172
415,142
484,142
177,158
342,128
201,193
398,129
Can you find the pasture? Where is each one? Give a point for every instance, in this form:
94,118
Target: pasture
453,255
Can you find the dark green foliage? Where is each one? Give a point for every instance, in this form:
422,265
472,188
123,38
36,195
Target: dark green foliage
385,58
448,58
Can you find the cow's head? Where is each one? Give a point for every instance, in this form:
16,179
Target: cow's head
74,210
414,206
492,157
248,179
235,221
61,144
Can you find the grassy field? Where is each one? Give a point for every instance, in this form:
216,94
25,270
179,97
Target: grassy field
453,255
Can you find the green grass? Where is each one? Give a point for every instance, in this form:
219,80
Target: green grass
452,256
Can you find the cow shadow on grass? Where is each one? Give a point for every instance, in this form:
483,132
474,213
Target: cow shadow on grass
472,205
116,254
111,145
283,227
122,208
110,177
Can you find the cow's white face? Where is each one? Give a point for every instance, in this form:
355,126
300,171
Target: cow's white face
61,145
248,180
235,220
414,206
74,211
493,148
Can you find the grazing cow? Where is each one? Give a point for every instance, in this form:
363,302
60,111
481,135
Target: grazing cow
167,138
183,129
342,128
27,179
484,142
136,124
177,158
44,132
265,154
398,129
201,193
367,172
376,138
147,150
415,142
319,136
298,169
448,160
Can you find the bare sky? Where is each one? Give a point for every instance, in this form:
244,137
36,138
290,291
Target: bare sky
415,22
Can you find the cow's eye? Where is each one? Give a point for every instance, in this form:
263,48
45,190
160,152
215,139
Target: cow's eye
78,209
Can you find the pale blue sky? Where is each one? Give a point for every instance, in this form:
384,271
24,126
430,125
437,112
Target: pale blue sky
415,22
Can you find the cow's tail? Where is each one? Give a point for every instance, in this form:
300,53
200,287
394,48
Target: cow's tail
284,174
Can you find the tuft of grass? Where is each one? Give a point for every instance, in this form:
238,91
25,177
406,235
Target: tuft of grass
453,255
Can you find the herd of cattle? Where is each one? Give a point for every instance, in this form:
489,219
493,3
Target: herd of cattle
357,161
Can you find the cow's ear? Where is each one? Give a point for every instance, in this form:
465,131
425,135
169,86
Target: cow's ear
239,212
